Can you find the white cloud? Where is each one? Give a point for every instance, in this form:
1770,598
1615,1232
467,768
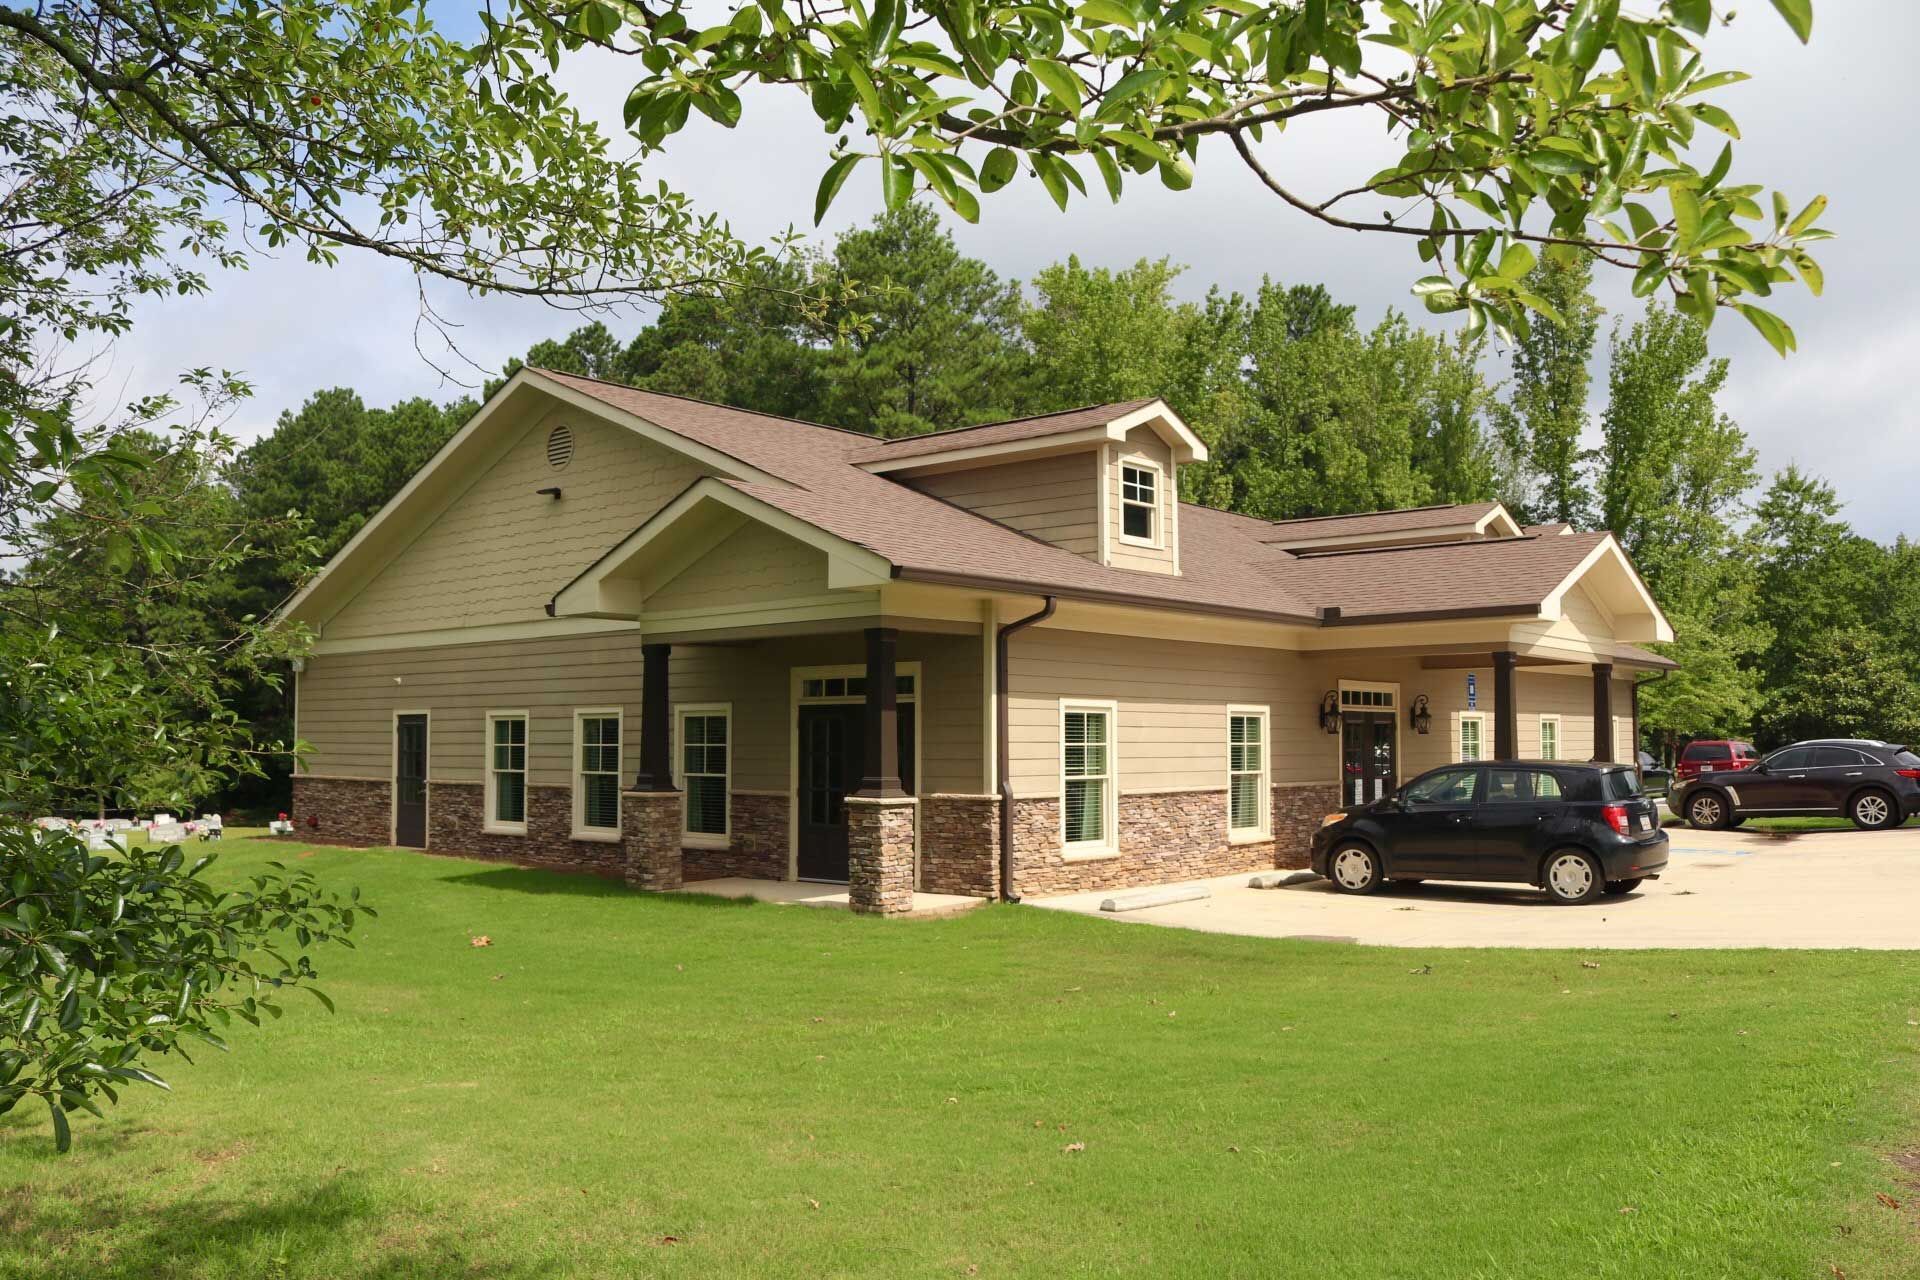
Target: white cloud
1829,118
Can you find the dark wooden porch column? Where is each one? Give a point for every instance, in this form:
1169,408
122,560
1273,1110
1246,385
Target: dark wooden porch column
882,716
1506,712
1603,711
656,722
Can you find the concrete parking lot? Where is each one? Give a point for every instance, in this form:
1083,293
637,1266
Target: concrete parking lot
1721,889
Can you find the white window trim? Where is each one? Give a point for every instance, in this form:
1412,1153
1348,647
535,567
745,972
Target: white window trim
702,839
1108,846
1459,745
1264,796
1559,736
1140,462
581,831
488,823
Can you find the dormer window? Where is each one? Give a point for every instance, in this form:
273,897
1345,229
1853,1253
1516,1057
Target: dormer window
1140,503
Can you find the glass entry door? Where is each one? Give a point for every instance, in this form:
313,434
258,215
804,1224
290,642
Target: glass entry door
1369,769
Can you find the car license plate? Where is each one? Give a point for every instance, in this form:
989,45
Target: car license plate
1639,824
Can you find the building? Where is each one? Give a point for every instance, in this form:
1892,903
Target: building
616,630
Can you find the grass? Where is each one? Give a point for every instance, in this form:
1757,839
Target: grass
624,1085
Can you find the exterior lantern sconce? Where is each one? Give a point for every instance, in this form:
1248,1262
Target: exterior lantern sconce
1330,712
1420,717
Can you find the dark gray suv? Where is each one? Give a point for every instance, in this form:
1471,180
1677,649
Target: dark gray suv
1877,784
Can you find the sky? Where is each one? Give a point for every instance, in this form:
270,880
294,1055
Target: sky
1830,118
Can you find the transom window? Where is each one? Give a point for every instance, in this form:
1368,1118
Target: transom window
1140,502
1247,771
1086,757
851,686
596,782
1367,698
704,761
507,771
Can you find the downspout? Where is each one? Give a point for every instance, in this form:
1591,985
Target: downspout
1002,749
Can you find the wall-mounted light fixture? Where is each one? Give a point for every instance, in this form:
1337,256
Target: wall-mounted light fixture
1420,717
1330,712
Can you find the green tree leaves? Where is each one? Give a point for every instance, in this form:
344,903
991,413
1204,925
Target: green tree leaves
137,955
1519,122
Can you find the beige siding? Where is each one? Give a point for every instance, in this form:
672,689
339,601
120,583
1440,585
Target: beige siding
1172,700
753,565
1141,442
347,702
501,550
1053,499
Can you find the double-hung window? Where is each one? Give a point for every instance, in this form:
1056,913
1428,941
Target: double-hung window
1549,737
596,774
506,772
1140,503
1247,792
1087,777
1473,735
705,762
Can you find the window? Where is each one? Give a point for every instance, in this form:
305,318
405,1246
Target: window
1140,503
1086,758
506,772
1549,737
703,761
1707,751
1509,786
1473,735
1622,784
1247,771
1447,787
1546,786
596,774
1839,758
1791,758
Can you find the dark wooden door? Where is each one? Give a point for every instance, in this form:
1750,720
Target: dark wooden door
1367,761
410,782
833,758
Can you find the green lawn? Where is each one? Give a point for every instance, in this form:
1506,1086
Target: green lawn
624,1085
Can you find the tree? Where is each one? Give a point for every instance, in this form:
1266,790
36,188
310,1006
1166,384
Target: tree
1848,683
1098,335
929,339
1674,471
1547,413
1816,575
1521,123
1719,637
107,963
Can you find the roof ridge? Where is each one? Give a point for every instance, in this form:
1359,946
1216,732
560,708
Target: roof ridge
710,404
1414,546
1386,511
1027,417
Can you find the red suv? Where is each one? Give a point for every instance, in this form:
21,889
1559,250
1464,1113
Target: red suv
1720,754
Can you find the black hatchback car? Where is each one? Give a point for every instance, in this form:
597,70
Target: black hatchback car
1577,831
1877,784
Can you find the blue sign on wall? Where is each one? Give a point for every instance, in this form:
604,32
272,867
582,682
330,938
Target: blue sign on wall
1473,690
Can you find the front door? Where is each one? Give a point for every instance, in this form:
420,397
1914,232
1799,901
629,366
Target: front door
410,782
833,758
1367,762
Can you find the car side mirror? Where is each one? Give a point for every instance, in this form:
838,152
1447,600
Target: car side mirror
1758,766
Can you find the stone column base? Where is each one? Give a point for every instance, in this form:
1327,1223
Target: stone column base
650,822
880,854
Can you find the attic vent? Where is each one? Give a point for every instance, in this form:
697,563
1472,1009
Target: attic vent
560,446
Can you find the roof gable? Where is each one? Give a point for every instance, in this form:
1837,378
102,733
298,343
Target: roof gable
1035,436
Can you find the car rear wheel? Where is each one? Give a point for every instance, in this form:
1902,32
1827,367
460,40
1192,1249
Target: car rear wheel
1573,876
1709,811
1617,887
1872,810
1354,868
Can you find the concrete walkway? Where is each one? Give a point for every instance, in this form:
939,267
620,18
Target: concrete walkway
801,893
1721,889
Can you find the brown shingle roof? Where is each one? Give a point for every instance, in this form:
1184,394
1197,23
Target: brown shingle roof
1226,566
1046,424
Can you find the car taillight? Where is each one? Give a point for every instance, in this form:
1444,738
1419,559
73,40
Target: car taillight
1908,773
1616,816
